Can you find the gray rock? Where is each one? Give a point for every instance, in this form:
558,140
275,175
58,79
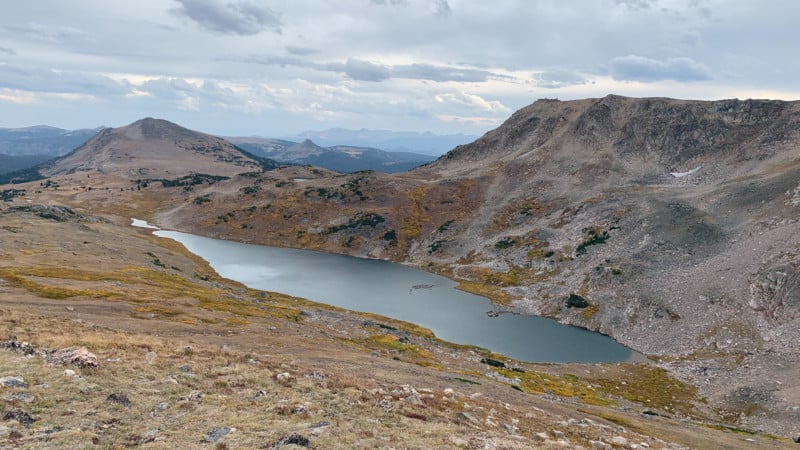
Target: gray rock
597,445
216,434
195,396
465,416
540,437
16,382
284,378
17,347
185,369
21,397
77,356
120,399
619,440
293,439
23,417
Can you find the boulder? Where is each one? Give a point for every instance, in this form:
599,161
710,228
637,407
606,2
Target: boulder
16,382
284,378
76,356
17,347
467,417
21,397
24,418
216,434
120,399
293,439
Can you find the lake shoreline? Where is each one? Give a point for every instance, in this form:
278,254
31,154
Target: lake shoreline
453,315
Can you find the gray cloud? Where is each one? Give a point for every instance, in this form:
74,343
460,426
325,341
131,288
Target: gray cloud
298,50
47,80
640,68
7,51
636,4
361,70
443,73
442,8
242,17
366,71
47,33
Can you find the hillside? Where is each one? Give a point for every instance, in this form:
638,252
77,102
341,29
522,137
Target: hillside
673,221
167,354
42,141
340,158
10,163
154,149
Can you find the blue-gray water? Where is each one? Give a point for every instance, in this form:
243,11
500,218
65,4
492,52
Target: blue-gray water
387,289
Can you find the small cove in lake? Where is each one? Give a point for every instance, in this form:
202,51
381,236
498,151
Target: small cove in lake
403,293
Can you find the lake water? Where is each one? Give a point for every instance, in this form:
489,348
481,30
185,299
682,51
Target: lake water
402,293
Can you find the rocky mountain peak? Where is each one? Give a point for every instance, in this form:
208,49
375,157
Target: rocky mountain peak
637,138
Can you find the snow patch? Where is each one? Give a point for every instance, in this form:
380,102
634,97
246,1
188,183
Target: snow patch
683,174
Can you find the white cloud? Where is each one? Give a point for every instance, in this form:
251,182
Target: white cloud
472,101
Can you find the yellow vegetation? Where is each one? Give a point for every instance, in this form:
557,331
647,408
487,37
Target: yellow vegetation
412,223
651,386
590,311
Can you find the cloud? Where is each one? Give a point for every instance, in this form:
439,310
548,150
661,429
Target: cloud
559,78
441,8
58,34
300,51
7,51
472,101
636,4
362,70
240,18
168,88
390,2
36,79
366,71
640,68
442,73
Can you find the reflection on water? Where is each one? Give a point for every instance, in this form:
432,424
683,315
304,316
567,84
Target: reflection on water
402,293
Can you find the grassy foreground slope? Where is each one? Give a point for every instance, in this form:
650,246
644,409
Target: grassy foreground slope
187,359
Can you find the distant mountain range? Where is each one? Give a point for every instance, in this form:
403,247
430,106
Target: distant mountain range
394,141
42,140
335,149
341,158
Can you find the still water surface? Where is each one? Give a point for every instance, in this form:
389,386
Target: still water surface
403,293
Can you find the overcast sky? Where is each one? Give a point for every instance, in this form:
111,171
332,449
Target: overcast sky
273,68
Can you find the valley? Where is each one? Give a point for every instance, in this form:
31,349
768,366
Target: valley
569,210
